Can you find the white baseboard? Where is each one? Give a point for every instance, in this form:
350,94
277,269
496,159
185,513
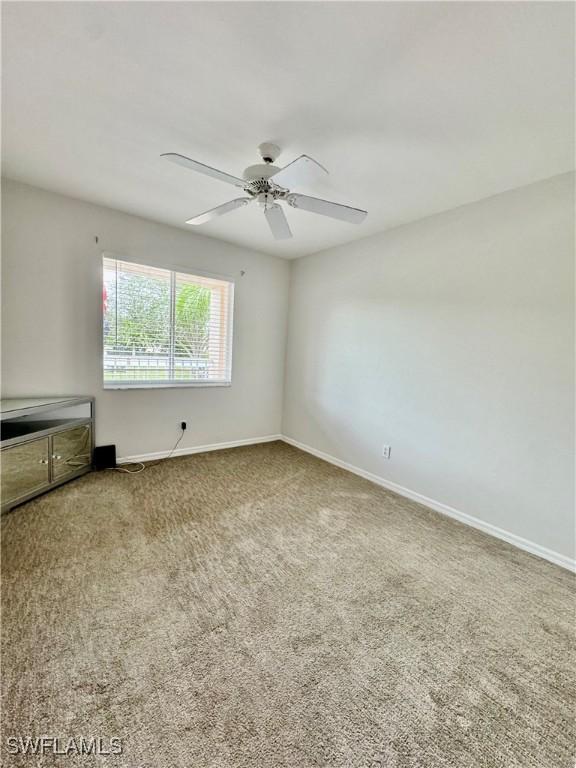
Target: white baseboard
437,506
444,509
199,449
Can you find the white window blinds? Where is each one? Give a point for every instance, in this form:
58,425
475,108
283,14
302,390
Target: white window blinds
164,328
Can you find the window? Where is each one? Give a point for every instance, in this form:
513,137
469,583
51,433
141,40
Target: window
164,328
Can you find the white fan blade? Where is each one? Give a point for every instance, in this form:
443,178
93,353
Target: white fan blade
277,222
326,208
220,210
194,165
300,171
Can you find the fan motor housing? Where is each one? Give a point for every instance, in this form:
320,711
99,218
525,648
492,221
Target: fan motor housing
260,171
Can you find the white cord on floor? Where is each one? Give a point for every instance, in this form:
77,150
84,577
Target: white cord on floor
141,466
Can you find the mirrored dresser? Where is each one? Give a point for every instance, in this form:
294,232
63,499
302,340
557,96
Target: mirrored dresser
44,442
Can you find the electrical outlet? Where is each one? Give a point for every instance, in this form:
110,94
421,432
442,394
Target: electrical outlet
386,451
182,425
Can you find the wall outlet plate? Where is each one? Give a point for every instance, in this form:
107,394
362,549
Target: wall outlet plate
386,451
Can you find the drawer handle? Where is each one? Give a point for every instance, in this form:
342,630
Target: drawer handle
43,461
56,456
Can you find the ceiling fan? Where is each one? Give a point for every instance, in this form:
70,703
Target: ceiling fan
269,185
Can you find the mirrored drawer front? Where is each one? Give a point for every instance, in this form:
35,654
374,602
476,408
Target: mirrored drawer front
71,451
25,469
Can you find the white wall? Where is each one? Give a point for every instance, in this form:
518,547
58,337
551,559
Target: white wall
51,329
451,339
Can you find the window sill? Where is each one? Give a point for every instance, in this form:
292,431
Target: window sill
170,385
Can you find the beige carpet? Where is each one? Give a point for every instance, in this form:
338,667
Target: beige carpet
259,608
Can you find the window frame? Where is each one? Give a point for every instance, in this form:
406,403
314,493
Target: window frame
172,268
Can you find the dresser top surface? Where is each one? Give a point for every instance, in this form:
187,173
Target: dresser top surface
19,406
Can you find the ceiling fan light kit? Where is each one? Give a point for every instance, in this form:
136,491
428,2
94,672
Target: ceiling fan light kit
269,185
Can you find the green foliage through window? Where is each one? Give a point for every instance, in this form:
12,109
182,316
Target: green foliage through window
162,326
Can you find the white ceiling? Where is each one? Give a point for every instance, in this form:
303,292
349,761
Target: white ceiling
413,107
